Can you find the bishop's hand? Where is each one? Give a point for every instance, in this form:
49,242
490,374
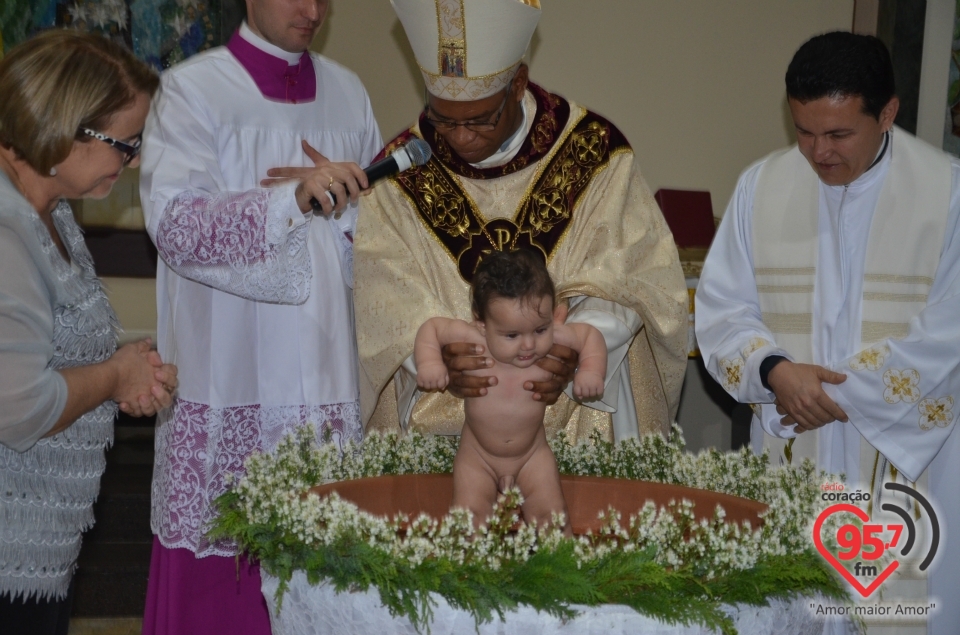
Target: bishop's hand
562,362
462,356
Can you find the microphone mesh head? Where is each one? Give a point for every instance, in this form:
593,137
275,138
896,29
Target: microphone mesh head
419,151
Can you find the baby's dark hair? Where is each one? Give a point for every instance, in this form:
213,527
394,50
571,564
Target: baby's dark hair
520,274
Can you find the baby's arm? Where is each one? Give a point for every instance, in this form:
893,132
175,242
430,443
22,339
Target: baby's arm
432,336
589,342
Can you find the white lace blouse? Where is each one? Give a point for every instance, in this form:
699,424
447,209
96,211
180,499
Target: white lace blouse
53,314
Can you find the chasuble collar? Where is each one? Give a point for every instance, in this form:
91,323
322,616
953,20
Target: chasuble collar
574,152
277,78
511,146
548,122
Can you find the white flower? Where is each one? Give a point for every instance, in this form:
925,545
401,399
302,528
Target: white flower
77,12
179,24
270,495
99,16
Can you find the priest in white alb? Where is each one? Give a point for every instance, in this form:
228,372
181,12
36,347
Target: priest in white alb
253,288
514,167
830,299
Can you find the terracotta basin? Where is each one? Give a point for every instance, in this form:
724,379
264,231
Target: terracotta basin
586,496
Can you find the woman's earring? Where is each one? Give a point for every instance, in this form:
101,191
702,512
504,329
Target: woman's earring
53,171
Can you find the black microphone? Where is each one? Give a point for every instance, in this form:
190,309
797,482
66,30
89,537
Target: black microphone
415,153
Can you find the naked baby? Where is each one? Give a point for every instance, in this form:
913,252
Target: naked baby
503,440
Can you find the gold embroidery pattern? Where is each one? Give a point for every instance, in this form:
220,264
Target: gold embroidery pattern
895,297
543,215
544,130
732,373
553,199
755,345
883,277
902,385
452,49
876,331
784,271
872,358
936,413
756,409
772,288
789,323
454,78
552,113
446,208
448,87
549,208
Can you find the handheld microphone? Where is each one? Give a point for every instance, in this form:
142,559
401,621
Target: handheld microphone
415,153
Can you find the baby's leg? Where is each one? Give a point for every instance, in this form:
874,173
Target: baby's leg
539,482
474,482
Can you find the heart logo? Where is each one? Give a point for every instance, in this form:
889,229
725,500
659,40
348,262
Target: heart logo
829,557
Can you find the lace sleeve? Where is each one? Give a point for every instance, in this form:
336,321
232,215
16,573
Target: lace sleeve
239,243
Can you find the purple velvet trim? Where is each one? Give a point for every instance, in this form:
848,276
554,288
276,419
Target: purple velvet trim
276,80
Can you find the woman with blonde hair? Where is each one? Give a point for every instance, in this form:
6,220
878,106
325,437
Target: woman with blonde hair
72,110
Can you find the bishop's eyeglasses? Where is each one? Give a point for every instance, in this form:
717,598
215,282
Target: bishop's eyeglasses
446,125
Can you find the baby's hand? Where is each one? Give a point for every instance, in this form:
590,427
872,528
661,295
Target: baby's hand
587,385
432,376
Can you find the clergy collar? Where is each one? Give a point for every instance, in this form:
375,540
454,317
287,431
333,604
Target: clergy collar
882,151
545,127
876,170
512,145
280,75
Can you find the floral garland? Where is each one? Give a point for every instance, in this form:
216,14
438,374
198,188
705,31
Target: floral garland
665,564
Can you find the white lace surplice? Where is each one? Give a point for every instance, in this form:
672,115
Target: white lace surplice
186,481
224,241
254,298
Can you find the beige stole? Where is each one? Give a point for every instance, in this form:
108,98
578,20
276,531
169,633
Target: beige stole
903,252
906,235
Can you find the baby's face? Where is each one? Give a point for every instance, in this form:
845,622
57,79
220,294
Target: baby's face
518,331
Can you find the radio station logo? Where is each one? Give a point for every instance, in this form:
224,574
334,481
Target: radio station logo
862,546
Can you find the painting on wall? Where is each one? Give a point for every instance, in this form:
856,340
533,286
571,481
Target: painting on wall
160,32
951,129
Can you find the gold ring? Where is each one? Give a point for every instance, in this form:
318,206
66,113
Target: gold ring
330,184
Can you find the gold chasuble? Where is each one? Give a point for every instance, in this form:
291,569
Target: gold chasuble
573,192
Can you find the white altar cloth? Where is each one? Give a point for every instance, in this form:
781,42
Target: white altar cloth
319,610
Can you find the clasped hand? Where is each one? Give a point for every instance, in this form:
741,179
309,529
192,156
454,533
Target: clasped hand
144,383
800,395
343,180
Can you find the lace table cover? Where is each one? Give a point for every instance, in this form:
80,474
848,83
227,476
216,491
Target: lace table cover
319,610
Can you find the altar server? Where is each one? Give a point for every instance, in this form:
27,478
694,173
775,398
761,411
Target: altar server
253,289
514,167
830,297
